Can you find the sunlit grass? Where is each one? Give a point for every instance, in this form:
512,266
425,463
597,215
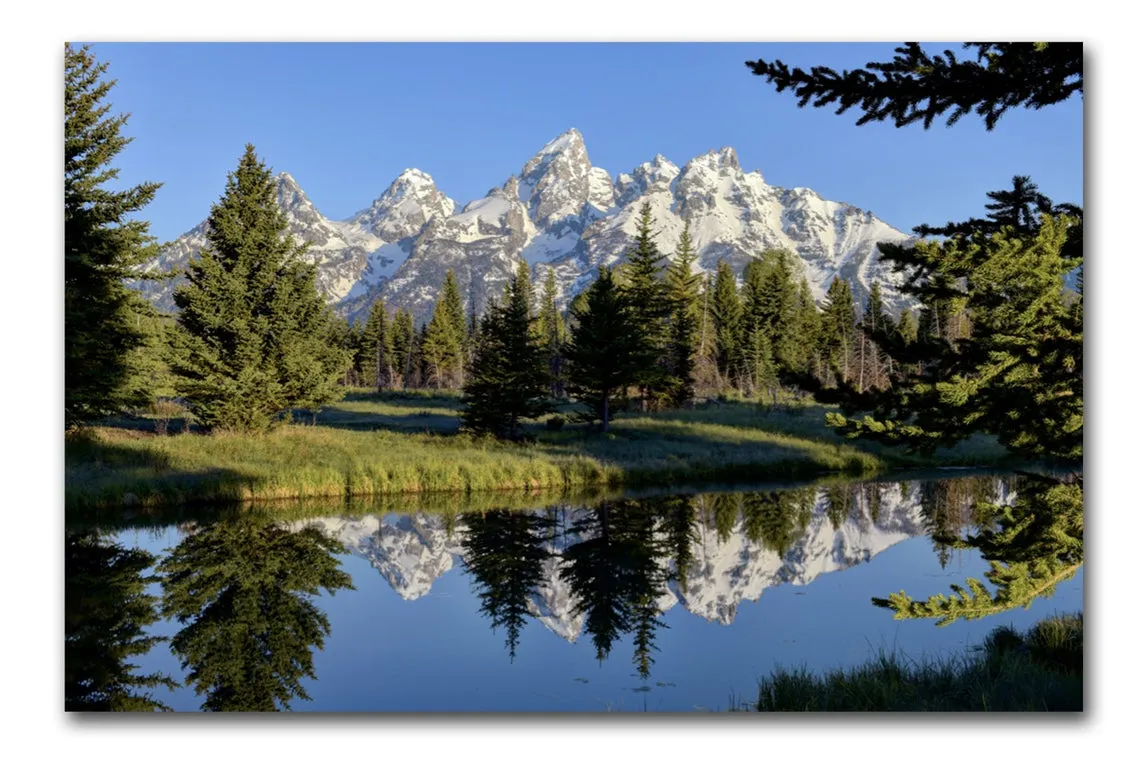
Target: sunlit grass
409,442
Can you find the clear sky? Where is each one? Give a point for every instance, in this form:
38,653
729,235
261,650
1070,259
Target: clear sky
344,119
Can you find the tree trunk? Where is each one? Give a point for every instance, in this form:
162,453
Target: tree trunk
605,411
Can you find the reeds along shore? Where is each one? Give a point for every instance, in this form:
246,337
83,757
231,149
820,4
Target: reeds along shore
369,445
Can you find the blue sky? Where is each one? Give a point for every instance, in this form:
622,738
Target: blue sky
344,119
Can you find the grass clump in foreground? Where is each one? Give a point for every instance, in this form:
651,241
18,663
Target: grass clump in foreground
1039,671
408,443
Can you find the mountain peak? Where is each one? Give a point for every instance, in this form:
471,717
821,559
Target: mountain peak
564,142
724,157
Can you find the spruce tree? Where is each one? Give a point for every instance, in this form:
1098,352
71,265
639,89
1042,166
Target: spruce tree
443,349
649,307
377,348
403,347
552,334
916,86
252,338
838,327
102,247
727,313
684,293
604,348
509,381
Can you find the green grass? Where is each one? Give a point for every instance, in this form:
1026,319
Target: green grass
410,443
1039,671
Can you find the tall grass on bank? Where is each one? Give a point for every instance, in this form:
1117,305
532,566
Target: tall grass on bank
1010,672
409,443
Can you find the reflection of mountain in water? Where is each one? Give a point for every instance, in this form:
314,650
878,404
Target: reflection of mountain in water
412,551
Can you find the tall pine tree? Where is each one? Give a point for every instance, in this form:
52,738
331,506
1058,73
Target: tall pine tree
552,334
509,381
102,247
649,308
252,339
684,293
727,313
604,347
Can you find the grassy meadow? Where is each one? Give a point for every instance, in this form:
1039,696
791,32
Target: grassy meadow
409,442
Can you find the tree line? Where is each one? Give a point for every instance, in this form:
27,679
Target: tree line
994,343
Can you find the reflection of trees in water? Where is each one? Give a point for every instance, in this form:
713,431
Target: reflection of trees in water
243,589
616,576
1032,544
504,553
106,610
948,507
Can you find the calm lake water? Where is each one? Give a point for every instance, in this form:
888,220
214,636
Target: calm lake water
661,603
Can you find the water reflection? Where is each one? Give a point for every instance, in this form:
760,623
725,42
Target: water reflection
245,589
106,612
1032,543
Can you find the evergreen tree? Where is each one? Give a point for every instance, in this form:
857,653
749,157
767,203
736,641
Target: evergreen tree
102,247
684,322
107,611
443,349
992,355
809,325
253,335
727,313
916,86
705,369
377,348
509,379
604,348
403,347
552,334
837,326
243,590
649,308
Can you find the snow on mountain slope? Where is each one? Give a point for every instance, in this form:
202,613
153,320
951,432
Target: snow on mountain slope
561,212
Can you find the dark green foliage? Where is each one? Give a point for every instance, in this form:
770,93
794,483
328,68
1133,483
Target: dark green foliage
103,246
916,86
777,519
680,536
1031,544
443,344
509,380
683,287
727,313
837,328
552,334
999,343
243,590
615,577
253,339
1017,373
403,347
645,293
106,612
604,348
504,552
376,355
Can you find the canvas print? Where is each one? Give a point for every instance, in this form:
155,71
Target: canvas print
575,377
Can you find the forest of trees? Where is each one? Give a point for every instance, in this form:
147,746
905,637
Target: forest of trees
993,334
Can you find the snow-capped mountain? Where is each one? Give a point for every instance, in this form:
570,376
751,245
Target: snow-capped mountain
563,213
